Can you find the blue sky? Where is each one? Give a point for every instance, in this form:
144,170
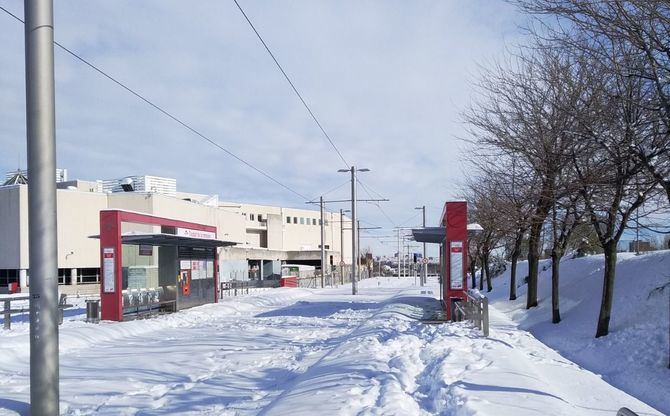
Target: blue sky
387,79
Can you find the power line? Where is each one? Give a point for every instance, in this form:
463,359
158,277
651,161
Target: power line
309,110
365,188
166,113
332,190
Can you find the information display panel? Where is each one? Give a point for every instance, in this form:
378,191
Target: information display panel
456,265
108,270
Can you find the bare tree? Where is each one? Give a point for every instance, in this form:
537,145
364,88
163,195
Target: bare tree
612,183
637,31
522,113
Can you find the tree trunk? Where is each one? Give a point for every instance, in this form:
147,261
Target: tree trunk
512,278
489,287
555,268
533,263
473,267
608,290
537,221
515,257
482,269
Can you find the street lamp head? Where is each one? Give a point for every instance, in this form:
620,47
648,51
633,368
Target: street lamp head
363,170
344,170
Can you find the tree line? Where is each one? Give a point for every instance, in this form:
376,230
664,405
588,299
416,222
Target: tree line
569,137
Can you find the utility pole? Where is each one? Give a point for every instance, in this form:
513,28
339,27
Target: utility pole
323,249
354,235
354,231
341,246
42,232
358,246
399,253
424,267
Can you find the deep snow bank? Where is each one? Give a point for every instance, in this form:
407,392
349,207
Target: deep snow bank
634,356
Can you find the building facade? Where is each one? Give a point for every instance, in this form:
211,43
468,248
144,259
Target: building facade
265,237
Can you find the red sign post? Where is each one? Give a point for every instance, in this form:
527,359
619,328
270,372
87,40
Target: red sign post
455,254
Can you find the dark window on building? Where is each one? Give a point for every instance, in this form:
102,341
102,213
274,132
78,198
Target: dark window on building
288,220
313,221
295,220
252,217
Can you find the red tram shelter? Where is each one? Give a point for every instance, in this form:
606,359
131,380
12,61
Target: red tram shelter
452,235
174,268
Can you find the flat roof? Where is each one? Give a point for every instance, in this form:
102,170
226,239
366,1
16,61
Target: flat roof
437,235
170,240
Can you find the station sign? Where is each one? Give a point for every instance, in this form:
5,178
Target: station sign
187,232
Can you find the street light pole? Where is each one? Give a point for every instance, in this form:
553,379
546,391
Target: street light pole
42,237
354,235
323,249
354,230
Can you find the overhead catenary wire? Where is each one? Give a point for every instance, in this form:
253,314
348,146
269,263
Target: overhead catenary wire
365,188
166,113
332,190
295,90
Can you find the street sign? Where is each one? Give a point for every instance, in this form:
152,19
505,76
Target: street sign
342,263
425,261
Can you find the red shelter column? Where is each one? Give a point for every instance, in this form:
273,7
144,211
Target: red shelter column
455,254
111,262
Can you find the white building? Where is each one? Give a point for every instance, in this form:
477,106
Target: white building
265,236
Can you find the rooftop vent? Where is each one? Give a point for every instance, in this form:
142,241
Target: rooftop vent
127,185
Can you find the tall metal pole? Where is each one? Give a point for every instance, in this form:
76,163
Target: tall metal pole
341,246
424,274
399,253
354,235
323,248
358,240
42,232
404,263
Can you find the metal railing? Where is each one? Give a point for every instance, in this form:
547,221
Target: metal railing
244,287
7,311
148,301
475,309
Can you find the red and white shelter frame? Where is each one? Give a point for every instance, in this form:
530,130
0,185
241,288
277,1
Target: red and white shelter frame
187,263
452,235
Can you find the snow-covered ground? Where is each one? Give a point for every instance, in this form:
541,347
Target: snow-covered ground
306,352
634,356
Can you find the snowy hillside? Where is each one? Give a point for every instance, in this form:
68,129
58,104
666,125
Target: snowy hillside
310,352
634,356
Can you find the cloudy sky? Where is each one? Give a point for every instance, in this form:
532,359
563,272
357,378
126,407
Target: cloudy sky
387,80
